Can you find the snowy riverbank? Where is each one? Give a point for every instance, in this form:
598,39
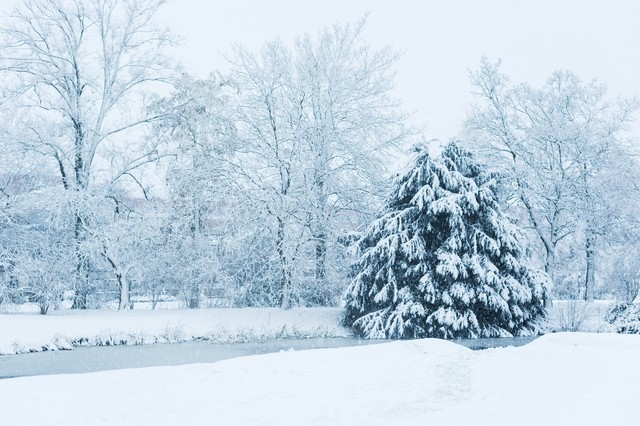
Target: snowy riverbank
560,379
20,333
65,329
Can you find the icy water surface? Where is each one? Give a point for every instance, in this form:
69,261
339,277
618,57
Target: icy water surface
487,343
101,358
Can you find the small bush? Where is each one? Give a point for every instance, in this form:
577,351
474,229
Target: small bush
625,317
573,315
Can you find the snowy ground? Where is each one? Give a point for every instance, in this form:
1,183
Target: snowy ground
20,333
560,379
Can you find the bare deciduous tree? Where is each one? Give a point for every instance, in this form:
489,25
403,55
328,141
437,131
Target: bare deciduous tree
201,188
318,129
351,127
268,161
76,71
555,144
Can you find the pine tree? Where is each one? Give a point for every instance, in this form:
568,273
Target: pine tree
442,260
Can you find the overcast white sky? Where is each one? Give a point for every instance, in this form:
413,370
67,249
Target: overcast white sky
441,40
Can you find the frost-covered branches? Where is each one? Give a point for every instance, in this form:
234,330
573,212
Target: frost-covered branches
557,146
76,73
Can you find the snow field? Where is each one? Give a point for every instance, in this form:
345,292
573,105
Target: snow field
560,379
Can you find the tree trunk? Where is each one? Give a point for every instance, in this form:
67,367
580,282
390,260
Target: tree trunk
321,259
321,225
44,308
155,297
590,239
82,267
549,243
194,297
285,273
549,268
589,282
125,301
81,279
123,285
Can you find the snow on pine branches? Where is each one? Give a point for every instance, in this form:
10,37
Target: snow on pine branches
442,260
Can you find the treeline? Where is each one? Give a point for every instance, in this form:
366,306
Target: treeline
125,178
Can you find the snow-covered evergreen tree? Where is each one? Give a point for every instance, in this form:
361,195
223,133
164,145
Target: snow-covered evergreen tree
442,260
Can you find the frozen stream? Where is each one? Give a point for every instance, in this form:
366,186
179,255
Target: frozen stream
101,358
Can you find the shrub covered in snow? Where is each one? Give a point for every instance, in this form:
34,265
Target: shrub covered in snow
625,317
442,260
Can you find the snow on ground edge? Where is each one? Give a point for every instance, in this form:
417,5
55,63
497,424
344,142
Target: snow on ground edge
20,333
